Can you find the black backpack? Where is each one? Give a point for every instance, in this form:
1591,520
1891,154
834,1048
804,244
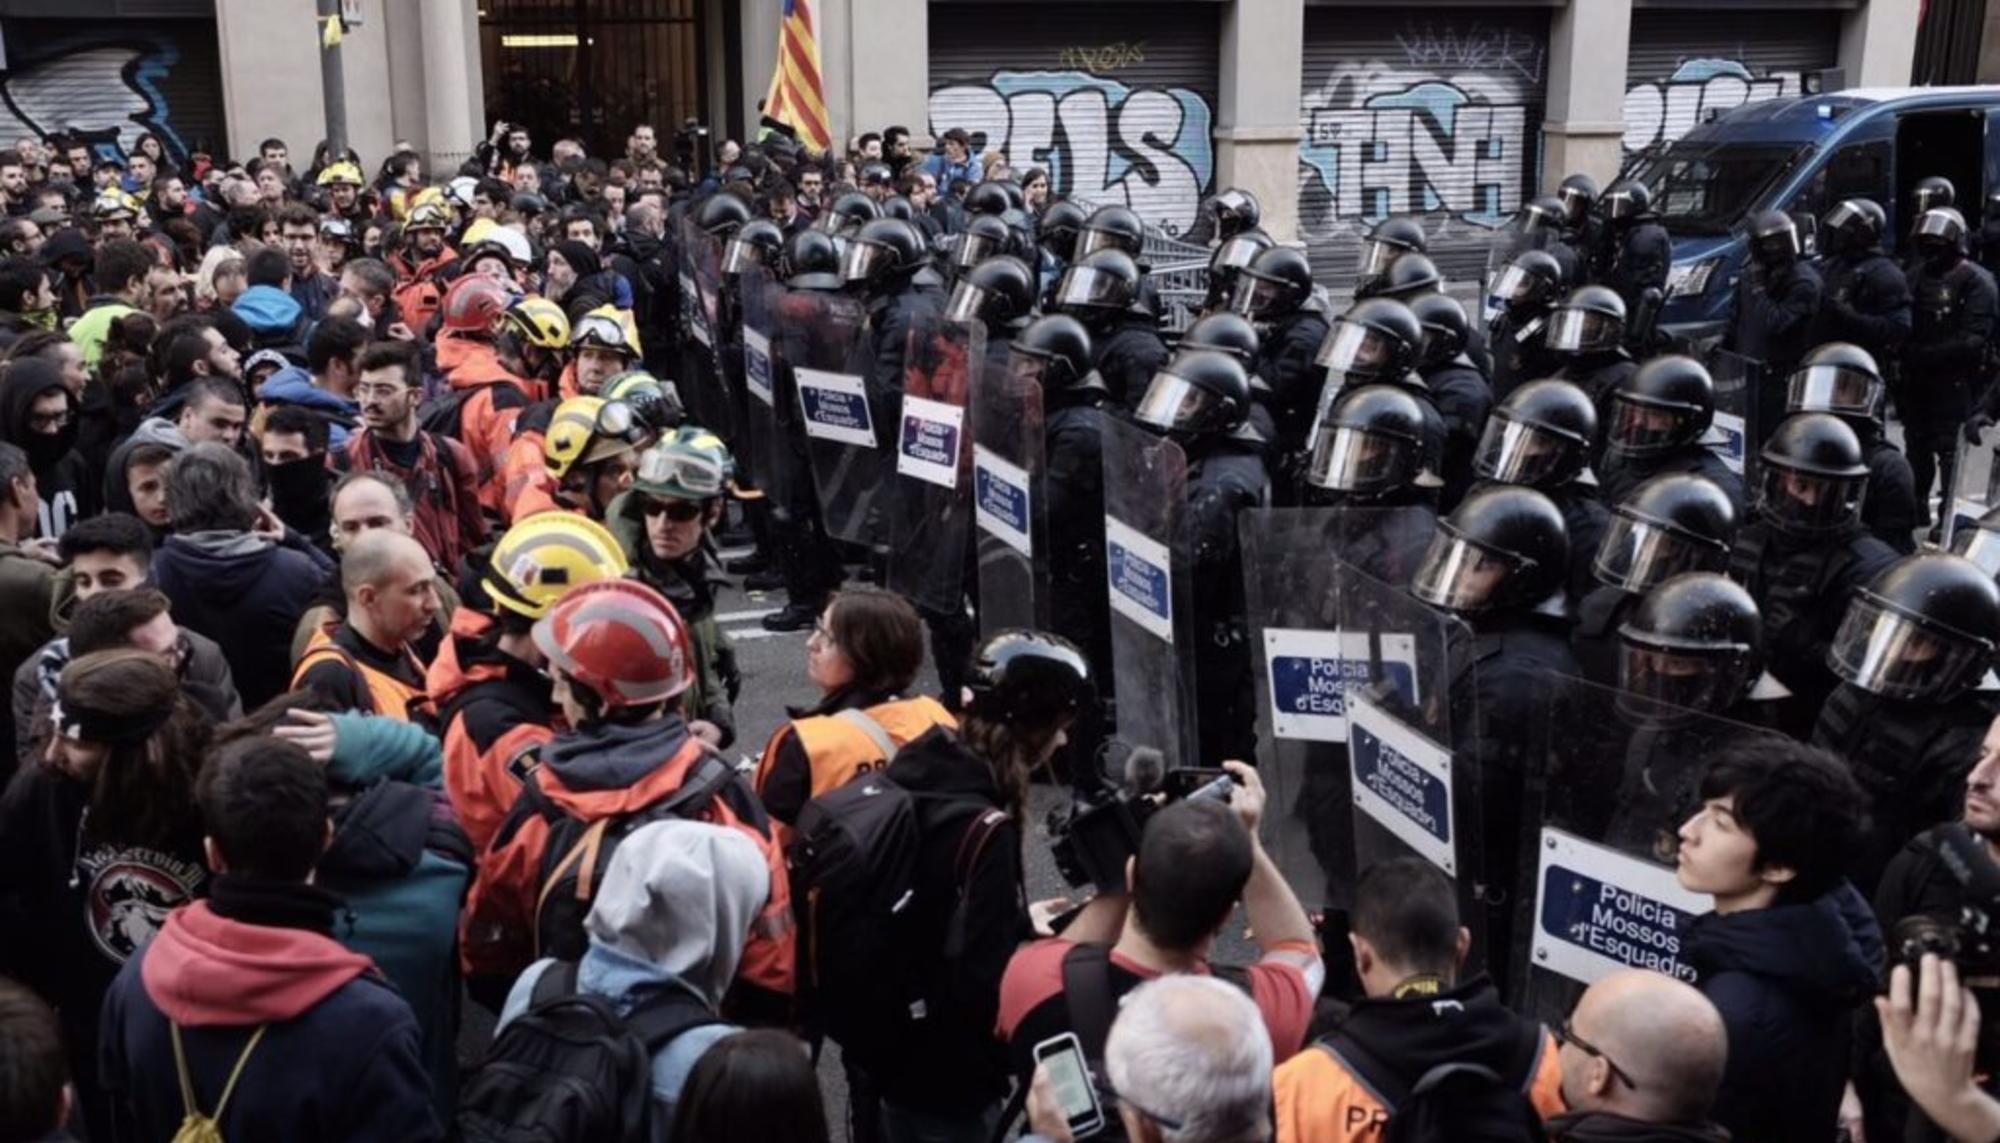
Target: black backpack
444,413
569,1068
1456,1101
578,852
863,967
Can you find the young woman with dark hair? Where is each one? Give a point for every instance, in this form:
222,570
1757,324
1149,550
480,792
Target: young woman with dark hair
753,1087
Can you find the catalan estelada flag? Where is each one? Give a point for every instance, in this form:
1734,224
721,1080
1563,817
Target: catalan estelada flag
797,98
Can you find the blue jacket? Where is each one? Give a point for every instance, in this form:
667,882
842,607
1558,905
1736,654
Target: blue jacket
402,864
275,318
947,173
294,386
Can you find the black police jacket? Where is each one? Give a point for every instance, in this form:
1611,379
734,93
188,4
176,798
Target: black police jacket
1128,355
1775,311
1224,477
1519,352
1586,518
1866,300
1463,399
1285,363
1620,474
1953,315
1074,449
1639,262
891,317
1598,374
1889,510
1595,636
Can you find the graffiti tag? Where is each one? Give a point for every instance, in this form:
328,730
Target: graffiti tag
1110,57
1100,140
105,94
1663,111
1477,48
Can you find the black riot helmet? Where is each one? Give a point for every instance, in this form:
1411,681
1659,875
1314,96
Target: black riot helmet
1275,284
884,252
1924,631
1099,284
1031,681
874,175
995,196
1838,378
721,213
1387,241
1540,435
1980,543
1774,238
896,206
1666,404
1939,237
1503,547
1532,280
1590,320
1199,393
1408,278
757,242
1111,228
1236,212
1813,476
1673,523
1852,226
1544,214
1375,340
1370,442
984,236
1578,194
1695,641
811,261
1061,220
1931,192
997,292
1446,328
1224,332
849,213
1235,253
1055,351
1627,201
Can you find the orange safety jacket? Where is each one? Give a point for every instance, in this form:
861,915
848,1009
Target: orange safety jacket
390,696
495,712
1318,1098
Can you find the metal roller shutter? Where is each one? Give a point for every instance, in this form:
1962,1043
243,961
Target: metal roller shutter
1115,101
1686,63
1436,113
111,80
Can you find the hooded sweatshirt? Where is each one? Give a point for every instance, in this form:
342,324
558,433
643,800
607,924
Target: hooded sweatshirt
294,386
62,475
276,321
1786,980
117,485
678,901
247,594
339,1055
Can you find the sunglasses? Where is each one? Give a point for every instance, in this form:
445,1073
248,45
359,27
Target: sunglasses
1567,1035
679,511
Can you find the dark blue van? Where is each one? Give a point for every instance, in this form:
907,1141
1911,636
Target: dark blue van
1803,155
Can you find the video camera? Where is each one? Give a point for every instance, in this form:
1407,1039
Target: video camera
691,147
1094,836
1969,937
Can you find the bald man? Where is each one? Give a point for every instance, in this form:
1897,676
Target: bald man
366,662
1642,1058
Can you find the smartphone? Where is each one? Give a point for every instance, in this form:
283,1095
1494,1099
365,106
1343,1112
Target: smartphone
1182,781
1069,1074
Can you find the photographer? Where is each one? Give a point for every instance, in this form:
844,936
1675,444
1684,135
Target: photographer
1932,1039
1196,859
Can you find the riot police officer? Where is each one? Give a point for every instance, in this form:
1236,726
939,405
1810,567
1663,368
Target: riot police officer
1587,334
1544,224
1578,195
1112,228
999,293
1866,299
1408,278
1541,437
1527,289
1930,193
1457,384
882,261
1954,312
1370,455
1225,332
1695,641
1908,716
1236,212
1202,400
1225,267
1276,293
1387,241
1101,289
1375,341
1655,423
1777,303
1804,553
1669,525
1055,232
1635,243
1841,379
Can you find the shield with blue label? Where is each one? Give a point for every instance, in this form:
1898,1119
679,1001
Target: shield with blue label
1146,582
929,476
1308,666
1734,433
830,422
763,438
1596,889
1010,501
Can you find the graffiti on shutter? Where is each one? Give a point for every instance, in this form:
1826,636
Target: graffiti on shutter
1662,111
1099,139
105,87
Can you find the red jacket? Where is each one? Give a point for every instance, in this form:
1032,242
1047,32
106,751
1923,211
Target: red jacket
443,485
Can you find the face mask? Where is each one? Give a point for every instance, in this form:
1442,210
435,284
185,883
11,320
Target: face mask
298,485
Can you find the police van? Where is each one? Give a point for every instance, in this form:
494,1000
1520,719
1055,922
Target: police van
1802,155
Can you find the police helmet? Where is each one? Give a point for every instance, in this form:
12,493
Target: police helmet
1410,277
1378,339
1054,351
1578,194
1236,212
1924,631
1446,328
1100,282
1503,547
896,206
1813,476
1387,241
1060,222
1370,442
1237,252
998,291
1774,238
1627,201
1590,320
1695,641
849,213
1853,224
1539,436
884,251
758,242
1666,404
1673,523
721,213
811,261
1838,378
994,196
1198,393
874,175
1940,231
1224,332
1931,192
1275,283
1543,215
1533,278
984,236
1111,228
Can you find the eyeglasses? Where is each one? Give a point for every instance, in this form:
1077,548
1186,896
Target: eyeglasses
679,511
1567,1035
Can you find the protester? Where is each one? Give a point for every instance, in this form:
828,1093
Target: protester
27,574
1642,1058
756,1085
365,663
438,472
35,1094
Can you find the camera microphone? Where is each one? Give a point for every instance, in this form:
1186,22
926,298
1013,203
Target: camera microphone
1145,769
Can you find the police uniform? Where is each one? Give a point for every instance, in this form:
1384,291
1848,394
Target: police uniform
1802,587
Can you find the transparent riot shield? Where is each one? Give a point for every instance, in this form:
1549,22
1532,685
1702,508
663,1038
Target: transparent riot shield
817,339
1291,558
1010,501
762,441
929,506
1975,490
704,389
1507,241
1596,890
1734,433
1146,572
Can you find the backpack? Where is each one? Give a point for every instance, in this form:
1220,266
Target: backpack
1456,1101
853,862
443,414
578,852
569,1068
195,1126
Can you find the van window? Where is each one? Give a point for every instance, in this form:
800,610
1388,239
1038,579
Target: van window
1858,170
1706,188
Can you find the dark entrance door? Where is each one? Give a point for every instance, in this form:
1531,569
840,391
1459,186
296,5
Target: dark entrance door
593,69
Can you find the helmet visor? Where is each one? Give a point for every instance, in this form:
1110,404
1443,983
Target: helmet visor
1709,680
1807,502
864,261
598,331
967,304
1031,367
1644,430
741,256
1253,295
974,249
1834,389
1514,452
1375,257
1889,654
1582,331
1090,286
1620,204
1981,546
1576,202
1777,245
677,472
1172,404
1090,240
1845,216
1638,555
1515,285
1350,459
1938,224
1235,253
1355,348
1926,197
1460,576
